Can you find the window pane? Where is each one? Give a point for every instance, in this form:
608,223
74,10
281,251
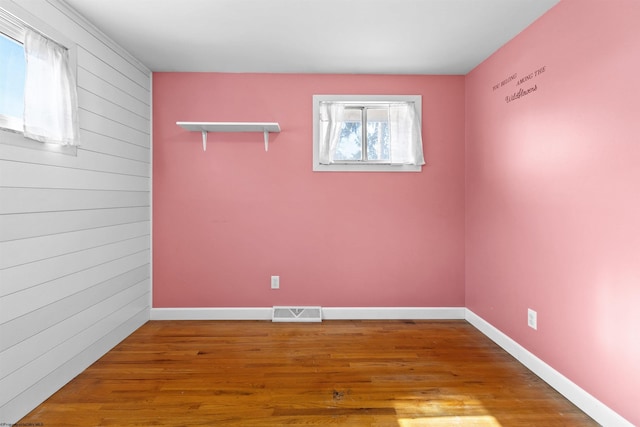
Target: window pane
12,75
378,134
350,144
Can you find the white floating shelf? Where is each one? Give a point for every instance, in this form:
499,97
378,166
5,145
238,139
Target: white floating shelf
205,127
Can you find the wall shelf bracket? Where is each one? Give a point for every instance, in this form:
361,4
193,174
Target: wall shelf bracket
204,140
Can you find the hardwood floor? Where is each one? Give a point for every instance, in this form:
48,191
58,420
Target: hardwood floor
355,373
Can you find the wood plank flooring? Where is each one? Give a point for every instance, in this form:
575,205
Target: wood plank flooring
355,373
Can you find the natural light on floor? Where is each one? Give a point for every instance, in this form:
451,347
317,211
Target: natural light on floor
444,413
467,421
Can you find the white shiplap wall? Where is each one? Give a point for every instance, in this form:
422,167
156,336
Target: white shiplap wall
75,230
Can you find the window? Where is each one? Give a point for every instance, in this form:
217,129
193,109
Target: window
364,135
367,133
38,94
12,74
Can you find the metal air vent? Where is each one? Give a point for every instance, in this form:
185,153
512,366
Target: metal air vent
297,314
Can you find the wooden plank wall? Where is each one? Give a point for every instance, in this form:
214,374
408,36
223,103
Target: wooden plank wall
75,230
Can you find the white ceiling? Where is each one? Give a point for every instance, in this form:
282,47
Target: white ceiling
312,36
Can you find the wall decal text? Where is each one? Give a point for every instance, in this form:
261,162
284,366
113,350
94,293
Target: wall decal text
521,92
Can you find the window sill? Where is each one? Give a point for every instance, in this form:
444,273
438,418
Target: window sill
17,139
345,167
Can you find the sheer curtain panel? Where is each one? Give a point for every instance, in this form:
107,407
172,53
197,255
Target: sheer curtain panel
50,97
405,134
331,127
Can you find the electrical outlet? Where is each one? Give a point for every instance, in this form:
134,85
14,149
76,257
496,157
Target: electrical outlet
532,319
275,282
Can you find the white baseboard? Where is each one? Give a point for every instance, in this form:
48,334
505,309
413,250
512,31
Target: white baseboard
328,313
221,313
392,313
597,410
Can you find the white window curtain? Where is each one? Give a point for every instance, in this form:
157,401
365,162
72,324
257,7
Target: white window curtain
50,97
331,119
405,132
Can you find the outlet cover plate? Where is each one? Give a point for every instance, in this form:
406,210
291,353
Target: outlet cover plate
532,319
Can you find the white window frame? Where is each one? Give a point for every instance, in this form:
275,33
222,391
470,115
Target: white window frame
364,100
13,21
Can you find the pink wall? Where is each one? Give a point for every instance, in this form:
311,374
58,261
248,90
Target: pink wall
227,219
553,195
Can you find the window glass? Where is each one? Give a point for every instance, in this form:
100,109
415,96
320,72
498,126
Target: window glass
378,135
350,146
350,142
12,76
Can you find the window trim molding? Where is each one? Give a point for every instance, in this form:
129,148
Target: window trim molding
363,99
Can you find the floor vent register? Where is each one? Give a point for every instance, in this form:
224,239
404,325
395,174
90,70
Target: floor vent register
297,314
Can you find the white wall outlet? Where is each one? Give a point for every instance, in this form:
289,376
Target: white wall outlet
532,319
275,282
